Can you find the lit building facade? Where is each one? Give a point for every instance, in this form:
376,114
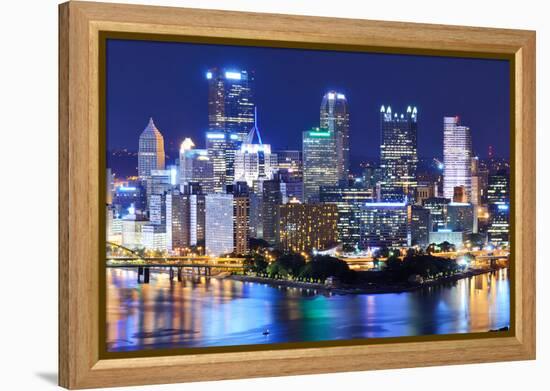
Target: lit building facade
398,153
230,101
420,225
272,198
241,215
335,118
498,196
195,166
219,236
438,211
253,163
348,201
320,162
457,157
289,164
384,224
307,227
461,217
222,148
151,151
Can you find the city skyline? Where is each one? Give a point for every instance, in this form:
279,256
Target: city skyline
181,110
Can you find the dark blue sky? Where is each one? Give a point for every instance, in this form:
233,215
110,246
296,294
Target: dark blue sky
167,81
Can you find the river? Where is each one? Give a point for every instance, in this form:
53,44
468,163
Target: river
203,312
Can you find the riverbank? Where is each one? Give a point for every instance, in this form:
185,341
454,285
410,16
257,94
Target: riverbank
372,288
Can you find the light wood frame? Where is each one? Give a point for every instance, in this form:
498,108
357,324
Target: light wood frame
80,365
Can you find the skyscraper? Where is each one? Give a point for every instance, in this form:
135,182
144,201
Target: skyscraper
457,157
384,224
219,224
221,149
498,196
230,101
196,166
151,151
320,162
398,154
335,118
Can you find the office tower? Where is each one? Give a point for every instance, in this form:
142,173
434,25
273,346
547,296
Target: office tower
219,237
272,198
372,175
178,222
398,155
384,224
475,195
253,163
256,210
195,166
289,165
307,227
498,197
320,162
153,237
151,151
460,217
457,157
157,209
132,194
230,101
438,212
348,201
420,225
241,213
335,118
292,190
132,227
424,191
159,182
221,149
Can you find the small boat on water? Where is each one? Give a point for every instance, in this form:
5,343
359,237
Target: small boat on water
266,332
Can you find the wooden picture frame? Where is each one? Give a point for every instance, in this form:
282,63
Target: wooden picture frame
80,147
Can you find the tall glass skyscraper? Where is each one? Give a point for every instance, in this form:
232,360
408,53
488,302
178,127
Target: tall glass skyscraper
320,162
219,224
230,101
196,166
457,157
221,149
498,196
151,151
335,118
398,154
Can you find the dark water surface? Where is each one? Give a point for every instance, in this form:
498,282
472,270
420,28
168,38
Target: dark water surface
201,312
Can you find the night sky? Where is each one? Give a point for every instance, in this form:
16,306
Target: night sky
167,81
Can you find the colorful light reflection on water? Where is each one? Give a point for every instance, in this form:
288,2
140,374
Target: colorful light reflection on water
202,312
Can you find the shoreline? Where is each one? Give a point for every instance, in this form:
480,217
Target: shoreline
346,290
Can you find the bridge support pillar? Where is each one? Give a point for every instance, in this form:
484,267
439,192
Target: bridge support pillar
171,271
146,275
139,274
179,274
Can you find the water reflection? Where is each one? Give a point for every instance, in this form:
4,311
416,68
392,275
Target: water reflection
200,311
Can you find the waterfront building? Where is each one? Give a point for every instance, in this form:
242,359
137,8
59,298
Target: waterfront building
320,162
398,153
177,220
195,166
457,157
446,235
307,227
222,148
132,227
384,224
289,164
230,101
348,201
151,151
335,118
420,225
256,229
153,237
219,236
498,196
438,211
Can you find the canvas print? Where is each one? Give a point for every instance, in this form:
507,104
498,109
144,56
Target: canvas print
259,196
